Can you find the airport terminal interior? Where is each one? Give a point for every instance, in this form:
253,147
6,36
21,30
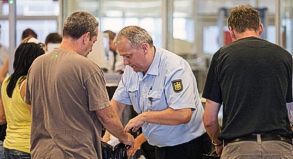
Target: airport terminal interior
193,29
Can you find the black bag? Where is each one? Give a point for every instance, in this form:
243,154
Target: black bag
117,152
212,155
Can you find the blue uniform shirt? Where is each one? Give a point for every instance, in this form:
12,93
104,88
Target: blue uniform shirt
169,82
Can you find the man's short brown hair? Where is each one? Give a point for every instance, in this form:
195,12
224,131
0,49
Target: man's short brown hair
244,17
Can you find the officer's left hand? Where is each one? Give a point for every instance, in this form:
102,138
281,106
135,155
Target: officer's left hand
134,124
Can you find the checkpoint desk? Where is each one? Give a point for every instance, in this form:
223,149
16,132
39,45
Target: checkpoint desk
112,80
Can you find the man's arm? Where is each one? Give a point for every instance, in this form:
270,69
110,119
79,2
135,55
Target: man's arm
210,120
4,69
22,93
118,107
168,116
2,113
112,123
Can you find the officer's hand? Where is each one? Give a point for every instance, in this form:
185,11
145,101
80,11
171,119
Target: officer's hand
219,149
134,124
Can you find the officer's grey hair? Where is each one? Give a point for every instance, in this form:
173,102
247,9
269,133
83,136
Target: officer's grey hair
136,35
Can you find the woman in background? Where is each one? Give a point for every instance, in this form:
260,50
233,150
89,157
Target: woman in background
16,112
26,34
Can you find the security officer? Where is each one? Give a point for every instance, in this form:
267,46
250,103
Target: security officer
163,91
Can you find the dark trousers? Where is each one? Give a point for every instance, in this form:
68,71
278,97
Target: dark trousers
193,149
148,151
15,154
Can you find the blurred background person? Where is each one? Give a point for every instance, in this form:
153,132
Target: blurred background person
52,40
115,61
3,59
15,111
4,68
4,51
28,33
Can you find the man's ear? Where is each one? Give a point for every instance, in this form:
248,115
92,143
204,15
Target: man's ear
231,33
144,47
260,30
86,37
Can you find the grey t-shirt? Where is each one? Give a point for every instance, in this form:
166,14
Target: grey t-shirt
65,89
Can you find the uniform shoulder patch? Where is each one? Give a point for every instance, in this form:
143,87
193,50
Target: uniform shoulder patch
177,85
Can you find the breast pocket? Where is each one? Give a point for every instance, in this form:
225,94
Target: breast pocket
134,98
157,100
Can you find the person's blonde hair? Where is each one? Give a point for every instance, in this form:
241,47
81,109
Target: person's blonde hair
25,40
33,40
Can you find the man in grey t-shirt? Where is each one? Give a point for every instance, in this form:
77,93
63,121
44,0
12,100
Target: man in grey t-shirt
68,97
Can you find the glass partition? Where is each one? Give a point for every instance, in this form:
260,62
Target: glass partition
40,15
116,14
196,34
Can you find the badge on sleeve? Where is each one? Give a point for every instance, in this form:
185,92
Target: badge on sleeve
177,85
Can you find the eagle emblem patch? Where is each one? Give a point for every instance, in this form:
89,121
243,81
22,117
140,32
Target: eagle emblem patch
177,86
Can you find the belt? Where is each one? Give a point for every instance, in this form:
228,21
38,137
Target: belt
264,137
